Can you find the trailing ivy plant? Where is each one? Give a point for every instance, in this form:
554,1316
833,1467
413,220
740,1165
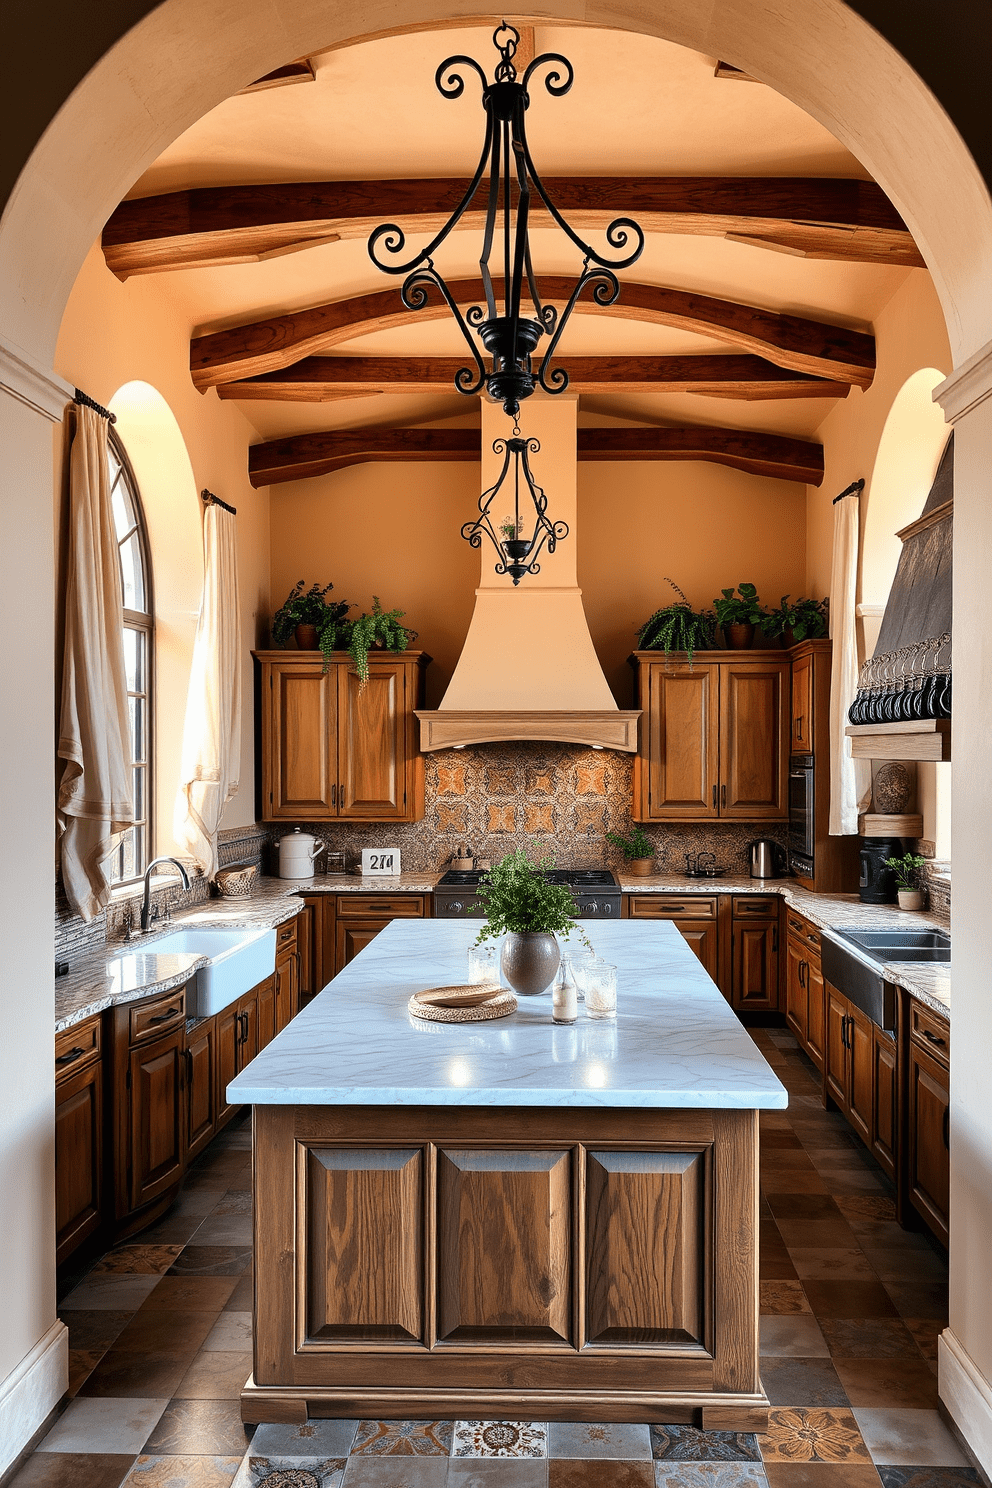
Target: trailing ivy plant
378,627
519,898
804,617
677,627
311,608
742,608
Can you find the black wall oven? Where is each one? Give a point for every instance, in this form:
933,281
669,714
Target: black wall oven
801,815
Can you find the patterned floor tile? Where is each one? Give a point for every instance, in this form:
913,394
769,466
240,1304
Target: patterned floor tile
82,1363
783,1297
183,1472
500,1439
910,1438
224,1229
388,1472
125,1375
572,1473
868,1338
72,1470
797,1335
583,1440
235,1201
402,1439
296,1472
109,1293
93,1329
925,1331
148,1260
831,1263
112,1426
928,1477
805,1382
849,1299
822,1475
215,1376
163,1333
867,1206
890,1382
231,1331
688,1444
829,1435
190,1293
485,1472
921,1299
200,1427
313,1439
212,1260
709,1475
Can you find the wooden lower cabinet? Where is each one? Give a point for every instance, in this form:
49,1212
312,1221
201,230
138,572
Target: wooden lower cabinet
849,1063
803,986
754,974
928,1168
519,1261
201,1085
696,916
885,1095
156,1082
358,918
79,1148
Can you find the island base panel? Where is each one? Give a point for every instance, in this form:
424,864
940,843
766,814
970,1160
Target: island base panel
567,1263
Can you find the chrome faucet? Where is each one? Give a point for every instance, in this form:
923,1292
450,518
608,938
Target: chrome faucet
148,874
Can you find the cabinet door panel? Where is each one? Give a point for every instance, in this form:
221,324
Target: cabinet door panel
802,705
704,939
364,1272
201,1086
835,1045
755,969
266,994
815,1012
796,1005
861,1063
306,935
302,738
228,1036
352,937
78,1159
504,1247
285,983
371,756
929,1160
682,741
158,1145
885,1118
753,761
645,1247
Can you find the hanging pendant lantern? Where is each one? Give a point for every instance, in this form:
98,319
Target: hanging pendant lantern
518,552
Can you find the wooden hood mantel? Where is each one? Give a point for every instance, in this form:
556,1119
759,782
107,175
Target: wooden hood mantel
454,729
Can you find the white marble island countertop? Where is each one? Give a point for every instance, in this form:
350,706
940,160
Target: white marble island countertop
675,1042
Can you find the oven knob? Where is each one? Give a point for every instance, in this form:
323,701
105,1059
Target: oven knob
607,909
594,906
456,905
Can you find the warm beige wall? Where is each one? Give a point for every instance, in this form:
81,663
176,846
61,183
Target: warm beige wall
115,335
705,526
390,530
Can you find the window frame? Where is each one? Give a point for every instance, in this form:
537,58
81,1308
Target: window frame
142,621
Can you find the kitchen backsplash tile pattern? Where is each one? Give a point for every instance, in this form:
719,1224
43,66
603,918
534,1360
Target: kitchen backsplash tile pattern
557,798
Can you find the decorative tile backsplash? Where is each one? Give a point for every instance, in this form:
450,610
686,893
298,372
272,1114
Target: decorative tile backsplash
552,798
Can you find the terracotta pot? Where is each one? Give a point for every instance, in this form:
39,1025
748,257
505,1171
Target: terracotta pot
306,637
789,638
640,867
739,637
910,898
530,960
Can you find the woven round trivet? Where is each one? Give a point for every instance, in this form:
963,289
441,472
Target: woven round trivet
498,1006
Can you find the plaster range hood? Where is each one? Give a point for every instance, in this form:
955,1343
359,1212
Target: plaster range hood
528,669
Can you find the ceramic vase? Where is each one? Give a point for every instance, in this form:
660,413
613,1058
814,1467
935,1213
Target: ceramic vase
910,898
739,637
306,637
530,959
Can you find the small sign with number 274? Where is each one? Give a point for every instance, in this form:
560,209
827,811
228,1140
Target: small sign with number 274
382,861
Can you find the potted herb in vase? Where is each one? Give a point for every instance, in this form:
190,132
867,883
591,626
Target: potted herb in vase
738,614
677,627
908,871
796,620
521,904
307,616
636,848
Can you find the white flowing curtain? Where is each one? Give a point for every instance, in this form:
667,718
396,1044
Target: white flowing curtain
211,758
850,779
95,798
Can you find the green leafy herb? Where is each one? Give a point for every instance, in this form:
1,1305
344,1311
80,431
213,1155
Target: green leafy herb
518,898
637,845
310,608
804,617
677,627
742,608
907,870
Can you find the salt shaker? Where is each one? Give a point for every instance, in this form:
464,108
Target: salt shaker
564,999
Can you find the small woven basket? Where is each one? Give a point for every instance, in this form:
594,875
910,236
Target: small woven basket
236,882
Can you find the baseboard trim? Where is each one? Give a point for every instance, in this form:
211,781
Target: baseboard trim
968,1396
32,1391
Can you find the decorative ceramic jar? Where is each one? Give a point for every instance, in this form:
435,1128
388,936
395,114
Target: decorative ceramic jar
910,898
530,959
306,637
739,637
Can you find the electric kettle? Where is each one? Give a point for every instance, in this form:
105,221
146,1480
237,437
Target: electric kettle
767,858
297,851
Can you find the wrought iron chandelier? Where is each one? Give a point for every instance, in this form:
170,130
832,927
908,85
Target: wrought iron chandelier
509,337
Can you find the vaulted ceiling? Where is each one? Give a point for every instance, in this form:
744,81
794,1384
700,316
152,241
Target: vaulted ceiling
769,253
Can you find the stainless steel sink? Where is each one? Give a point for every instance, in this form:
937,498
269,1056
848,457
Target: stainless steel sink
849,968
901,945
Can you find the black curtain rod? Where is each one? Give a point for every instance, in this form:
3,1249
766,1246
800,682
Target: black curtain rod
854,489
87,402
212,500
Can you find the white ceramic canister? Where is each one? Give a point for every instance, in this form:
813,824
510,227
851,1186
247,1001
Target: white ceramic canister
297,851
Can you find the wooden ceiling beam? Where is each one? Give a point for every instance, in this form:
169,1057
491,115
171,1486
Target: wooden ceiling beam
809,346
845,219
306,455
323,379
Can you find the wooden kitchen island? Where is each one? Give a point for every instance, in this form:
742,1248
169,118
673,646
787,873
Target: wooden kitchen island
509,1218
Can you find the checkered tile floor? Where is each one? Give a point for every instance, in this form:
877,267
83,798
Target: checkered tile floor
160,1339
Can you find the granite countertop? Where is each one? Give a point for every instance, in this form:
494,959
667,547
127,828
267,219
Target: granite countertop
354,883
675,1042
930,982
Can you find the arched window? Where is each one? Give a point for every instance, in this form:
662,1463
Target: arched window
133,855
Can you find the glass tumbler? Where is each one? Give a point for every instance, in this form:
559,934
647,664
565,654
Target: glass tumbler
601,990
581,961
483,965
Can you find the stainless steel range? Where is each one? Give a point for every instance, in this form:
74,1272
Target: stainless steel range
595,891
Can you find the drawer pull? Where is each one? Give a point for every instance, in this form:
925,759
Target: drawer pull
71,1056
714,797
932,1038
165,1017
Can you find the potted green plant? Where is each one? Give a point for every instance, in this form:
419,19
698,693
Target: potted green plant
523,905
738,614
378,629
636,848
306,616
677,627
795,620
908,871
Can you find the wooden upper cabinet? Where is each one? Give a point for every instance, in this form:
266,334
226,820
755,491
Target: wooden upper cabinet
754,766
801,741
714,738
332,749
